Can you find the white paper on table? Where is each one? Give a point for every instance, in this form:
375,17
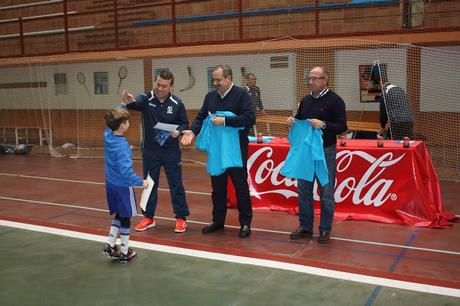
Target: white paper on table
146,193
166,126
401,142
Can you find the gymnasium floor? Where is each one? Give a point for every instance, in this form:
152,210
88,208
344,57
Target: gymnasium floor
54,221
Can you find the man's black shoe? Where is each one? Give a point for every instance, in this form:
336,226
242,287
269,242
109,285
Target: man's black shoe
323,237
212,227
245,231
300,233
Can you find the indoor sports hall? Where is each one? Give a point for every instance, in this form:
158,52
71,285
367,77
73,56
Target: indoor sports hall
395,238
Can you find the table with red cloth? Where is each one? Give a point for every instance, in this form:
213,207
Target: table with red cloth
388,184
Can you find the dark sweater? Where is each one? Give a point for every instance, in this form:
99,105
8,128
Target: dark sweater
236,101
329,108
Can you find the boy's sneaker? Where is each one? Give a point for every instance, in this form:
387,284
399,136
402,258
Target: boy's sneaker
111,252
181,226
145,224
124,258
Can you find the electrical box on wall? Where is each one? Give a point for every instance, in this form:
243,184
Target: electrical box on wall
413,13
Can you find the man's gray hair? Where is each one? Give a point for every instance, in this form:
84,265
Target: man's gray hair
227,71
324,70
250,74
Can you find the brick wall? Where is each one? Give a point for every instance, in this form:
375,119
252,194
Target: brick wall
337,20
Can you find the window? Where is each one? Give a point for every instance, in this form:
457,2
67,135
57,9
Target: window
101,83
60,84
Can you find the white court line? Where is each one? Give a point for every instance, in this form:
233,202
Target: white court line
99,183
359,278
86,182
232,226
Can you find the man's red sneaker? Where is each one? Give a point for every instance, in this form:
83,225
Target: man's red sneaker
181,226
145,224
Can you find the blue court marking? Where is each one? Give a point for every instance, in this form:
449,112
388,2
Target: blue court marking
377,289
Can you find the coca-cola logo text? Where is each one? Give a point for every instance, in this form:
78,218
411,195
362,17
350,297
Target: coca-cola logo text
369,188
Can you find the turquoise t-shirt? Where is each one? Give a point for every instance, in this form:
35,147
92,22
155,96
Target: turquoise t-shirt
305,158
222,143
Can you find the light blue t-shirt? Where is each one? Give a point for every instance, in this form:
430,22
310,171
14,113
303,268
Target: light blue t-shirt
305,158
222,143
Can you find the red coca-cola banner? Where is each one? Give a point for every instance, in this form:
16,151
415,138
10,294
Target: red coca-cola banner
390,184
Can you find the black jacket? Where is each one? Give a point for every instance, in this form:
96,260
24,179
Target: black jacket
171,111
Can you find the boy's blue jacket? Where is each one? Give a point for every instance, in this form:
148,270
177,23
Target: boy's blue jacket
118,163
222,143
305,158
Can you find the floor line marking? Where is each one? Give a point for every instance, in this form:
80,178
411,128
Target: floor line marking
233,226
359,278
86,182
397,246
102,183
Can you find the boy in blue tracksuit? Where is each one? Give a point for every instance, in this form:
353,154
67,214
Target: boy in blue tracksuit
120,179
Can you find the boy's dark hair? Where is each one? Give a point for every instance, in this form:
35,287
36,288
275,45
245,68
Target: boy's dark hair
167,75
115,117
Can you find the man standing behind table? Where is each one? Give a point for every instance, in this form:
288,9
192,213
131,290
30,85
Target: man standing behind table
325,110
161,148
256,99
396,119
254,93
227,97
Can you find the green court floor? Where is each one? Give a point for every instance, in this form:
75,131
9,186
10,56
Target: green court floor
46,269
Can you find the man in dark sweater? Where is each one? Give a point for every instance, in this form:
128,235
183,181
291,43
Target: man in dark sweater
227,97
325,110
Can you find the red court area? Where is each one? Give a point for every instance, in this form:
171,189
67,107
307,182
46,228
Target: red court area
70,194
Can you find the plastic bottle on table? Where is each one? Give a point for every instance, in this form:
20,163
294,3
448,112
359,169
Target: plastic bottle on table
260,138
379,141
406,142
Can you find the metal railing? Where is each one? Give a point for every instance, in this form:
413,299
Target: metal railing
130,26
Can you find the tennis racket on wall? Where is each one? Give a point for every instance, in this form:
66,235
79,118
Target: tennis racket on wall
191,79
122,74
82,80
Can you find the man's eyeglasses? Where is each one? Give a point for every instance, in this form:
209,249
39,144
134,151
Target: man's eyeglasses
315,78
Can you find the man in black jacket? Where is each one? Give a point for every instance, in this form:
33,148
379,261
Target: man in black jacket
395,113
256,99
254,93
161,148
